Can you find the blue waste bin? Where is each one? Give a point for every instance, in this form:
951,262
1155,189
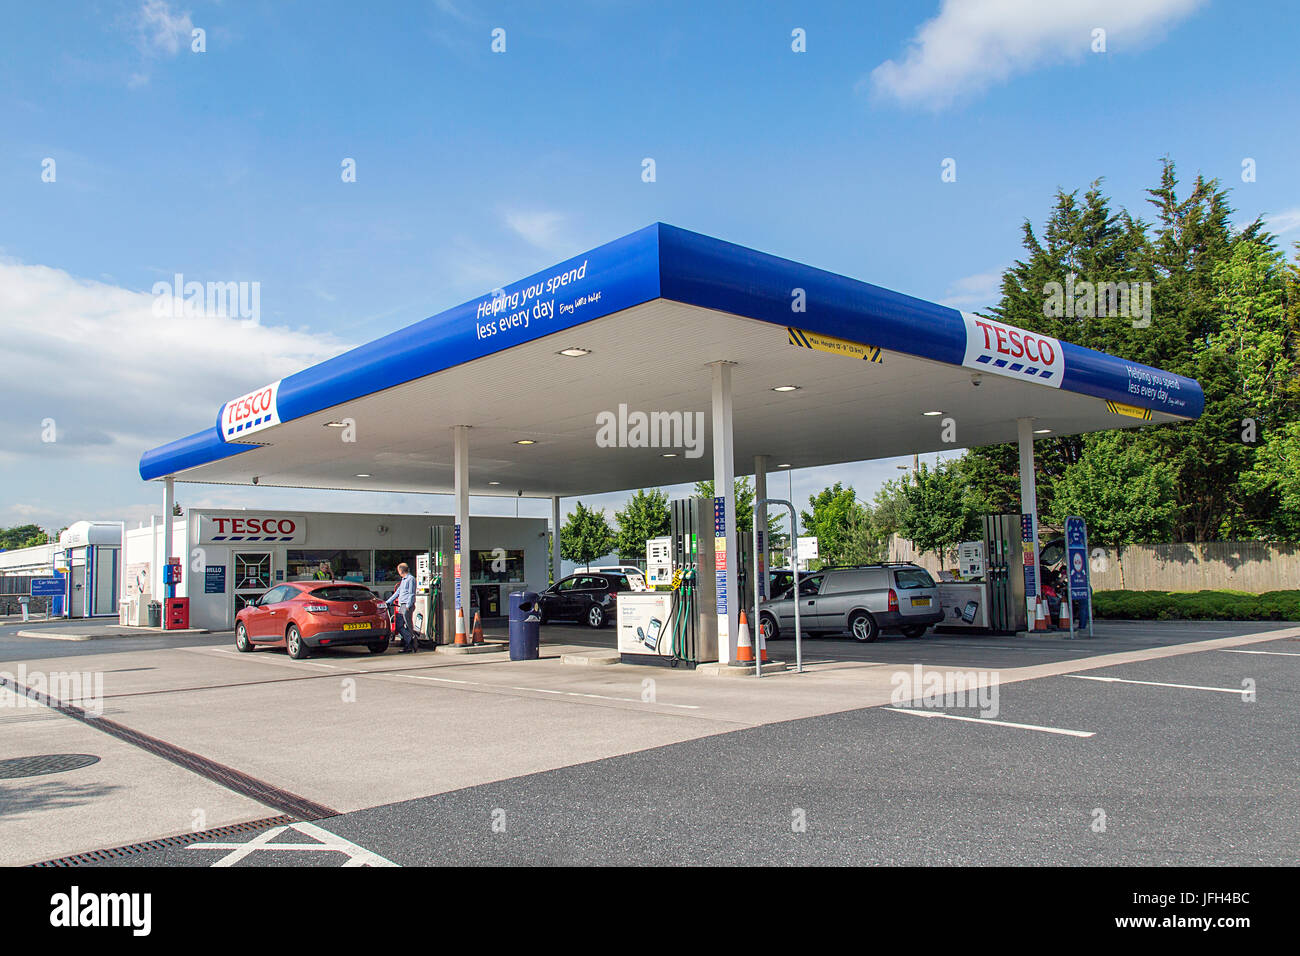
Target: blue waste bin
525,626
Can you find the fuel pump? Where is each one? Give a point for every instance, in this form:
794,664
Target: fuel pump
432,619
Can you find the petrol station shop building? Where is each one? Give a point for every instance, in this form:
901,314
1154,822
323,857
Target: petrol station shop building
791,366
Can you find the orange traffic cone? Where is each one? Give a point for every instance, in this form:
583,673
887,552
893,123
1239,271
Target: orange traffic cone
1065,614
762,642
1040,615
744,646
478,629
460,627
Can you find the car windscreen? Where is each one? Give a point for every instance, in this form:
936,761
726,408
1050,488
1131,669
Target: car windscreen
343,592
908,578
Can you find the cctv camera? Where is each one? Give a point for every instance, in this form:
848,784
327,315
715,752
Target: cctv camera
976,379
255,479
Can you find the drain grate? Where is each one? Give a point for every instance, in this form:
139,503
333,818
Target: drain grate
42,764
116,853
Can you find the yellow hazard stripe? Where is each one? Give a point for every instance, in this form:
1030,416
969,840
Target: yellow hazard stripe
1132,411
826,343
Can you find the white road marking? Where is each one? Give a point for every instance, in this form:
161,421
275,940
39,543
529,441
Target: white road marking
998,723
1155,683
544,690
1228,650
328,843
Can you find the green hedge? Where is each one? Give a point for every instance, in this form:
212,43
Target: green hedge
1198,605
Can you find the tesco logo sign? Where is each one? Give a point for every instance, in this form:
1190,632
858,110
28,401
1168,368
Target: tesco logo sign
277,529
1016,353
250,413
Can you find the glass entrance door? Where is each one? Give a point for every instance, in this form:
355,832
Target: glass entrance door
252,577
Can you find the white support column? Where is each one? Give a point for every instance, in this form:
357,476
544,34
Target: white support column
724,486
761,563
169,505
460,558
1029,503
555,538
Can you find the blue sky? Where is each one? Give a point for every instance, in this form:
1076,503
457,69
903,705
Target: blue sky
475,168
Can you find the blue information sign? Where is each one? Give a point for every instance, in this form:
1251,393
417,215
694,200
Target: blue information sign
1076,565
47,587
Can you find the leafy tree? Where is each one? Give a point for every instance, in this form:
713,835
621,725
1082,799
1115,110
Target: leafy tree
22,536
1224,309
888,504
586,535
1123,491
645,516
841,525
939,512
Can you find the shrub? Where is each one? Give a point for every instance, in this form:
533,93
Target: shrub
1197,605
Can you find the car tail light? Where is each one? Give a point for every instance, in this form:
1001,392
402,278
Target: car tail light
893,600
317,608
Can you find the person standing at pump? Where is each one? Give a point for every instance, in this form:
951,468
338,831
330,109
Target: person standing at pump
403,601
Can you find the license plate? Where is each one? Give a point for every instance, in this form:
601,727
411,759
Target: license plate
920,602
356,627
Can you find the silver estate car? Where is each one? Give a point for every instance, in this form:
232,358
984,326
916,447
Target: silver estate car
862,600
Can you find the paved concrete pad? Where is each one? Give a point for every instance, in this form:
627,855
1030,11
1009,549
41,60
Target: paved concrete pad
351,730
128,796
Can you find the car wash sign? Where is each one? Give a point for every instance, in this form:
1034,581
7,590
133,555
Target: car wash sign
1006,350
1076,566
252,528
250,413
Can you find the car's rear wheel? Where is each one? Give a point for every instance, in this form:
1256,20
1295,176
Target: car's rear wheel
863,627
242,642
914,630
770,629
297,647
596,616
378,647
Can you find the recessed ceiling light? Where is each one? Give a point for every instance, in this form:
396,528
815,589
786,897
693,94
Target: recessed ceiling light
1042,431
574,352
494,482
787,388
931,413
336,425
670,454
526,441
363,476
786,465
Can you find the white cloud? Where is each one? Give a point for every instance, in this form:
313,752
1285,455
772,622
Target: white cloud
541,229
979,291
1280,223
161,30
115,378
971,44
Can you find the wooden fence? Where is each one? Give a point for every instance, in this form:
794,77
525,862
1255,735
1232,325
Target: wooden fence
1254,566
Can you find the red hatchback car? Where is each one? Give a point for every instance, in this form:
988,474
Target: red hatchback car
308,614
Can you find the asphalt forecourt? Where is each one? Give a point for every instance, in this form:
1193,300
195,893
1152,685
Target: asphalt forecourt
347,732
1155,769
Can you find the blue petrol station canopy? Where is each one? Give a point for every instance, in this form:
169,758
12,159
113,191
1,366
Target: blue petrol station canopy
819,310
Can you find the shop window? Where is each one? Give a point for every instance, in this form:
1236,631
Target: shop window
498,565
386,563
323,565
